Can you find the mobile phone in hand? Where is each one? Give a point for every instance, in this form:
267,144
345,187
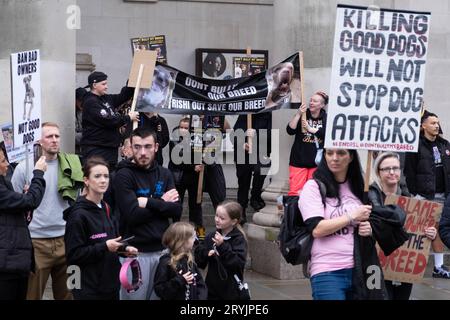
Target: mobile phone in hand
126,239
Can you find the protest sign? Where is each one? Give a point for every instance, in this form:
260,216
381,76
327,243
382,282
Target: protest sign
14,154
377,81
408,263
26,96
153,43
174,91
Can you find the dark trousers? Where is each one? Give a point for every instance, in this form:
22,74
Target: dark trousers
110,155
401,292
14,288
244,173
215,183
189,182
78,295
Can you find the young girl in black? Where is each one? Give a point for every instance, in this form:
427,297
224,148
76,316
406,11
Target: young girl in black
224,251
177,276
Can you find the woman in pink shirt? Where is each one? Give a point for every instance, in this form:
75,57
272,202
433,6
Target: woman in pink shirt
334,223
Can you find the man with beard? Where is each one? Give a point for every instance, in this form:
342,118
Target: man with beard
146,199
47,227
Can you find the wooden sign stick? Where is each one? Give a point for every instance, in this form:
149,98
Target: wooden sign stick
367,176
249,116
136,92
302,87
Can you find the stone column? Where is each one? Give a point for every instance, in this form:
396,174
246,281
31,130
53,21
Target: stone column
48,25
298,26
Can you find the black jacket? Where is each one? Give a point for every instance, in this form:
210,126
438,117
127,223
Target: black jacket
183,169
171,285
420,168
162,136
101,122
303,151
87,229
232,256
259,121
146,224
16,253
444,224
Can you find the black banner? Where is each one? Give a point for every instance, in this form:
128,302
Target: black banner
176,92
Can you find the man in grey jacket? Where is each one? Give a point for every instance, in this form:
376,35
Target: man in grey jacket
47,226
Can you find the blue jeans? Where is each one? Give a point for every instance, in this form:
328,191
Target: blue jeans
332,285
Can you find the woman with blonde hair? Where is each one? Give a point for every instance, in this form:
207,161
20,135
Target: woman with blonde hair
387,182
309,135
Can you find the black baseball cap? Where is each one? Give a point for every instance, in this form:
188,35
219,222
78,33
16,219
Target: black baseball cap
95,77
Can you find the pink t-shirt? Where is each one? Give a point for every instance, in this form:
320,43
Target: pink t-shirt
335,251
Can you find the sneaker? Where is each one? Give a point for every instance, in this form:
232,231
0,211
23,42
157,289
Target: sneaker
441,272
201,233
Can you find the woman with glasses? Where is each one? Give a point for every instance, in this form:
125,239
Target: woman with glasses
387,182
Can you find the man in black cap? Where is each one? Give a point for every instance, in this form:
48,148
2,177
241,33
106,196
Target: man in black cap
101,122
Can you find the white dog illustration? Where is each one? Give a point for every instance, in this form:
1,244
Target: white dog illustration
29,95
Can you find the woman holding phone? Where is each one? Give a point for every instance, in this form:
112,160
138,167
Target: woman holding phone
92,238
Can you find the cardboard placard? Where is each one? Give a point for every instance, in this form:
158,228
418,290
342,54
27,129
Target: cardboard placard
148,59
409,262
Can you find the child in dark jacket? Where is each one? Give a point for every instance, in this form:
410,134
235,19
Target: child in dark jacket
177,276
92,238
224,251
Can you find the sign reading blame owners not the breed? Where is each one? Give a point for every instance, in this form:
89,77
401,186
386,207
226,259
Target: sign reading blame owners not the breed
377,80
26,96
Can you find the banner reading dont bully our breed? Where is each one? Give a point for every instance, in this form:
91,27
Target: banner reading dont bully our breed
174,91
377,80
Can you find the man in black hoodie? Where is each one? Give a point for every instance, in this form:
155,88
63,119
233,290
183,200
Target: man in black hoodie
146,199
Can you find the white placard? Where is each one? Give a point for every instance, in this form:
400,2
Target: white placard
377,81
26,96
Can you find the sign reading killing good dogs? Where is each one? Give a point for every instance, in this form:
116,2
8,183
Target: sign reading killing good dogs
377,81
177,92
26,96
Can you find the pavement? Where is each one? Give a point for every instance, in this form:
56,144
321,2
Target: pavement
264,287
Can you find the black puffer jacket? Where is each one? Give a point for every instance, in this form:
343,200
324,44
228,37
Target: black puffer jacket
231,260
87,229
420,168
16,253
444,223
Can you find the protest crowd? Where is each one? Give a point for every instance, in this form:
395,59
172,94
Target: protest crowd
111,213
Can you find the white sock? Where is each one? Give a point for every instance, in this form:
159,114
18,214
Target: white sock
438,259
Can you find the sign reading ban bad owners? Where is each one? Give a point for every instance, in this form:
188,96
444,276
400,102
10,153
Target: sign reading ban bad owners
377,80
26,96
